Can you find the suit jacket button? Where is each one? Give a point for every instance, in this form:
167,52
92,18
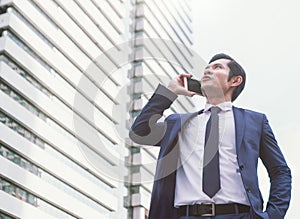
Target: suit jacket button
242,167
248,190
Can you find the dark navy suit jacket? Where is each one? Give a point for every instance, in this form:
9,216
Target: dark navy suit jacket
254,139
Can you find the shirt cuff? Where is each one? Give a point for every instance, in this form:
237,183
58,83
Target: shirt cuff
165,92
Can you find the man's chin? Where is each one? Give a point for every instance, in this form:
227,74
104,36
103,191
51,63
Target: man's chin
211,91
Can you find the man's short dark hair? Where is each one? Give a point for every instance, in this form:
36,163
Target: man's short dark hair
235,70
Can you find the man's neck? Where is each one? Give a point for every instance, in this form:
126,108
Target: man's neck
217,100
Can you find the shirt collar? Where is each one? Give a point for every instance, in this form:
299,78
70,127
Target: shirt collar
225,106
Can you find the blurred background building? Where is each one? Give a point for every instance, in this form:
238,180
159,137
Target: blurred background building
74,74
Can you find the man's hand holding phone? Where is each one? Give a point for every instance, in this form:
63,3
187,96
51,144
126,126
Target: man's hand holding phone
180,85
193,85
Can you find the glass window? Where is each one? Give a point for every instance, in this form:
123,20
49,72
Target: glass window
5,216
21,194
26,196
23,163
2,118
4,88
16,127
28,50
17,97
17,160
10,155
24,74
31,199
10,189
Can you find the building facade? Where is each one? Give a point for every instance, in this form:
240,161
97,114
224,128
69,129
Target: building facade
73,76
161,49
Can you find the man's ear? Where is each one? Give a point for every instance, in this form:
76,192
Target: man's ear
236,80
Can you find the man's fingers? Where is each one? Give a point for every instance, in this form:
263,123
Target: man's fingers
177,85
185,92
182,75
192,94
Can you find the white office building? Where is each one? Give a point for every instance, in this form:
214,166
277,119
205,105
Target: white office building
73,76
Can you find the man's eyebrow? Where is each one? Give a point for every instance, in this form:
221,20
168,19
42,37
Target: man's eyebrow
215,64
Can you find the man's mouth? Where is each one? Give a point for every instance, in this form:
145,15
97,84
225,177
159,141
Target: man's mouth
205,78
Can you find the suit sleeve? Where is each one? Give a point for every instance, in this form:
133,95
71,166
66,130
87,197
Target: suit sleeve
145,129
279,173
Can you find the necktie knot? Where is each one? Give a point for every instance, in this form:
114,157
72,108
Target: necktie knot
215,110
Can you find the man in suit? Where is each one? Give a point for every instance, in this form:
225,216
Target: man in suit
224,184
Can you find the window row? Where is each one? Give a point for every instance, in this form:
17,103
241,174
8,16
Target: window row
48,43
28,50
21,130
20,161
10,91
27,165
28,197
7,90
5,216
103,114
49,149
24,74
36,111
18,192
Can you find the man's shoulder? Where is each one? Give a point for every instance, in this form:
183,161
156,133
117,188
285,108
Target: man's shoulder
181,116
248,111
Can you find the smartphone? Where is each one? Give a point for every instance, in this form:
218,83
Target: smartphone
192,85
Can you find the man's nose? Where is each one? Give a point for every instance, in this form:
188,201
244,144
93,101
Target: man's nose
207,71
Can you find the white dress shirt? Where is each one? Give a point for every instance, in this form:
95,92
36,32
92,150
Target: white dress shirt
191,140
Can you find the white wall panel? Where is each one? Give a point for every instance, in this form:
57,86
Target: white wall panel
43,130
57,168
83,20
55,58
46,191
161,15
41,100
97,16
110,9
64,41
176,20
16,52
20,209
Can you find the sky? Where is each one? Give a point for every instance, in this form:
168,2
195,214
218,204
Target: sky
264,37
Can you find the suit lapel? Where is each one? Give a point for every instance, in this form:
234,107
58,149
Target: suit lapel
182,119
185,117
239,121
